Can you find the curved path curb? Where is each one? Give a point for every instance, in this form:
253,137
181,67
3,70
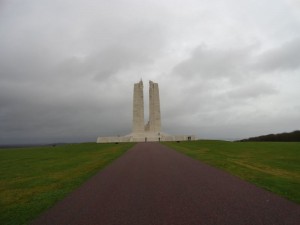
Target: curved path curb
154,185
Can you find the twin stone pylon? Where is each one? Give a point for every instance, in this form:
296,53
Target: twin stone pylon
152,130
153,127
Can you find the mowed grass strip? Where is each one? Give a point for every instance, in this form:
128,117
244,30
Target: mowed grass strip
274,166
33,179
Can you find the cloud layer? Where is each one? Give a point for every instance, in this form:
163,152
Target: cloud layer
225,70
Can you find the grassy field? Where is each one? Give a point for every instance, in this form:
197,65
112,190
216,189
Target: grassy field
33,179
274,166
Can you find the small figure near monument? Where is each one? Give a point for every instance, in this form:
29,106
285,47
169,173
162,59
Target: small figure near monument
152,130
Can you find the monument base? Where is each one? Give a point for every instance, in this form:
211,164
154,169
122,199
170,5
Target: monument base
146,137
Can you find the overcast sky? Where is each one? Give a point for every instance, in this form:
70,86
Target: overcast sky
226,69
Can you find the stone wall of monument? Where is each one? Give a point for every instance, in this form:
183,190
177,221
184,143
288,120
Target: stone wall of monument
154,108
138,108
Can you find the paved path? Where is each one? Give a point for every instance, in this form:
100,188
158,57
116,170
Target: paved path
153,185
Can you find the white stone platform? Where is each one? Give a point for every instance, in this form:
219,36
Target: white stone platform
146,137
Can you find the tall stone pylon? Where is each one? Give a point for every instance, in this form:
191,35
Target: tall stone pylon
152,130
138,108
154,124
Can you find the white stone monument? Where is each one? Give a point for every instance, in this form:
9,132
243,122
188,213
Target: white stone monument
138,108
152,130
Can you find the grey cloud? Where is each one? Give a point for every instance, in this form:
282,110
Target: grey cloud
284,57
68,41
26,113
234,63
252,91
213,63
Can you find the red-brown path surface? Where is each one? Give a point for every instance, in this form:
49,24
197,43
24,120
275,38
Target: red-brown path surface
154,185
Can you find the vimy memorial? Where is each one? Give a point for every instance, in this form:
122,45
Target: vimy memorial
151,131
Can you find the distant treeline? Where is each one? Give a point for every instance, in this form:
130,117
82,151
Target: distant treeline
292,136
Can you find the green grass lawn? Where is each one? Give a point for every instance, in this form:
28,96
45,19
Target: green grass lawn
274,166
33,179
